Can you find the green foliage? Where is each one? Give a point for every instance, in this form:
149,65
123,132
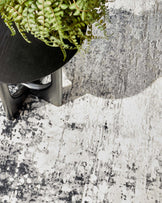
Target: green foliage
54,21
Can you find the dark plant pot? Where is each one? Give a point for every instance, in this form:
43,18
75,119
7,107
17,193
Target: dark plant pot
24,62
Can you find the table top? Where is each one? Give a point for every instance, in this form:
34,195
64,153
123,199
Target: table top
21,61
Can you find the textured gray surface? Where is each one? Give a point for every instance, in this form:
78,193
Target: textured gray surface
104,144
91,150
127,63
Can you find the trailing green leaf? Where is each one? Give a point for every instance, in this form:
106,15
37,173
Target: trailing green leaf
55,21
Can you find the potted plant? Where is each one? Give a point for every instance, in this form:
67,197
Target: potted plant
54,21
37,37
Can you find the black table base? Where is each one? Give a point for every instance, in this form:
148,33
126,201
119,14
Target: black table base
51,92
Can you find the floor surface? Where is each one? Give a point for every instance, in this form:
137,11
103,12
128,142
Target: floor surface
104,143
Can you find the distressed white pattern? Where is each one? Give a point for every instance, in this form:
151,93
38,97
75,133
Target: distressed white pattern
104,144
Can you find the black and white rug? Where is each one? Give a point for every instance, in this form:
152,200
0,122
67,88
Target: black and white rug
104,143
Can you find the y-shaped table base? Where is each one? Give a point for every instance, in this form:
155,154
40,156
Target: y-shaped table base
51,92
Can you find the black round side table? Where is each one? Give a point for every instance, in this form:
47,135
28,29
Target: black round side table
25,63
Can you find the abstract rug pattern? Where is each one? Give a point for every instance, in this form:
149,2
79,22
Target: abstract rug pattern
104,144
